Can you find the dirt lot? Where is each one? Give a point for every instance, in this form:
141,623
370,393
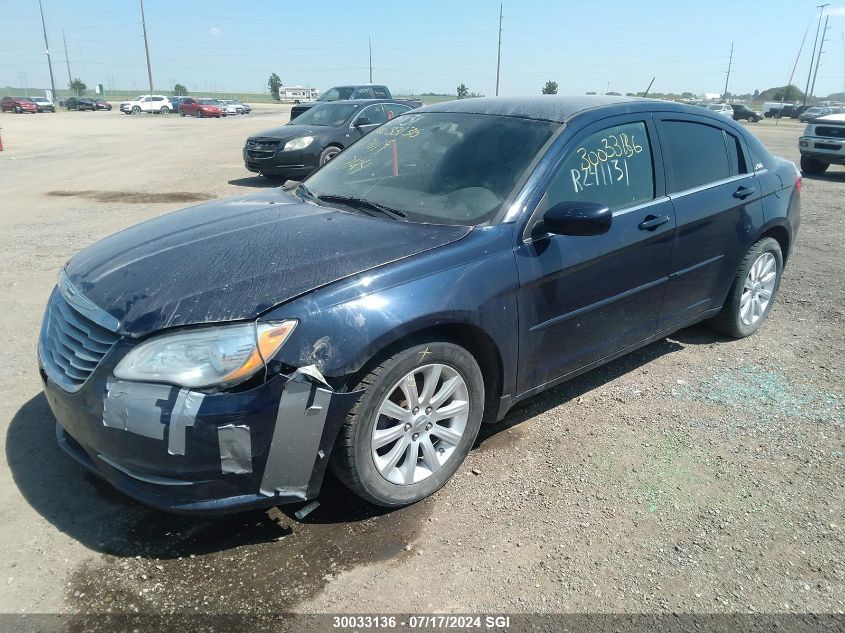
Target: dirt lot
698,474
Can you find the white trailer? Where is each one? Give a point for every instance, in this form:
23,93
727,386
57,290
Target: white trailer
298,94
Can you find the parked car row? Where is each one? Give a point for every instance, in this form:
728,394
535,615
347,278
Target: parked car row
85,103
160,104
735,111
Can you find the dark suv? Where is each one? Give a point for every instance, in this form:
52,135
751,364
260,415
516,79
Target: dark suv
744,113
455,261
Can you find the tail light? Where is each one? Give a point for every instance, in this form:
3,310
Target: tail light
799,181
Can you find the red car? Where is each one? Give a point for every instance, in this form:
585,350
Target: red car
199,108
17,104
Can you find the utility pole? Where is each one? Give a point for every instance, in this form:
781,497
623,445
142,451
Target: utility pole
728,78
47,51
370,42
813,54
146,47
650,84
843,61
67,60
821,50
499,56
794,66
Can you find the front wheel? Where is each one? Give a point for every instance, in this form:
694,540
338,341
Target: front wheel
753,119
753,292
414,425
327,154
136,109
812,166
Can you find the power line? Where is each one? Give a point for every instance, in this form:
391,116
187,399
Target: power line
819,58
728,78
47,51
499,54
146,47
813,54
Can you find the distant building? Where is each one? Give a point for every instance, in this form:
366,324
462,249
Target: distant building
298,94
711,96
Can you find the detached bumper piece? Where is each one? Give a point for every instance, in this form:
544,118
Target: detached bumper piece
185,451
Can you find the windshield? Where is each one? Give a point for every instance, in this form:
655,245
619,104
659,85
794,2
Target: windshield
337,94
332,115
437,167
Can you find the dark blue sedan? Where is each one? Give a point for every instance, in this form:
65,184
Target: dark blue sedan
455,261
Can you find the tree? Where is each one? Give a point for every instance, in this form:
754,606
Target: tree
613,94
787,93
592,92
550,88
179,90
274,83
78,86
463,92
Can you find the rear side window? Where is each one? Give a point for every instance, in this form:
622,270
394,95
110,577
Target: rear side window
612,167
695,154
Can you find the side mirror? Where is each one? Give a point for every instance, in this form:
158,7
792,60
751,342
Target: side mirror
361,121
578,218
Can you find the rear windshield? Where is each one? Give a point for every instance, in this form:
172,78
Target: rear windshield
329,114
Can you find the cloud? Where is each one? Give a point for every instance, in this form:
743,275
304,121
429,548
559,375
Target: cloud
838,11
214,31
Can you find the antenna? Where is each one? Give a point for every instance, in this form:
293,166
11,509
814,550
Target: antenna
728,78
370,41
813,54
146,47
499,54
47,51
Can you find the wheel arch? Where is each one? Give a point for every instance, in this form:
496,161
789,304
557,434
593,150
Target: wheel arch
467,335
780,234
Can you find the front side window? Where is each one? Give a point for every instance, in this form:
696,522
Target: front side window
437,167
375,114
695,154
612,167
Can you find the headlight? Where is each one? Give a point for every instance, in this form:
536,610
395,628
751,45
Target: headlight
808,131
299,143
223,356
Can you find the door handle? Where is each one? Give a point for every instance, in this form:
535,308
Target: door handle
652,222
743,192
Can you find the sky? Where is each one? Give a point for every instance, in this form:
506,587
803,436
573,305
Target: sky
424,46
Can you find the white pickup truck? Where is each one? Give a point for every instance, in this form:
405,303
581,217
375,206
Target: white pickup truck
822,144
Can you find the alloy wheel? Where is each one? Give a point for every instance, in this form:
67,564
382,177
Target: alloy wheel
420,423
758,289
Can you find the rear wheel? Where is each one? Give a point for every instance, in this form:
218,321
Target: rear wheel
812,166
164,110
414,425
181,113
753,292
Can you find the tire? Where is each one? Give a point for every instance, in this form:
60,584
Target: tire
198,113
17,109
328,153
812,166
750,283
164,110
387,484
181,113
753,119
136,109
80,108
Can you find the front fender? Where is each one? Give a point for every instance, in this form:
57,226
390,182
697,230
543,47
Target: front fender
472,282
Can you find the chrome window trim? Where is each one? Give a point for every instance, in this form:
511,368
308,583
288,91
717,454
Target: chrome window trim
709,185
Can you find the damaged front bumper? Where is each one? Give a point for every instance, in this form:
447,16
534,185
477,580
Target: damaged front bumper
190,452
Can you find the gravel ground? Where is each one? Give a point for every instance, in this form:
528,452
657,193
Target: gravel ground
696,475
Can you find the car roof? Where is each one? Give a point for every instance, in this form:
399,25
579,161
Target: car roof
358,102
557,108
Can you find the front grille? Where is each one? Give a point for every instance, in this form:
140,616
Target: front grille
830,131
71,345
262,144
828,146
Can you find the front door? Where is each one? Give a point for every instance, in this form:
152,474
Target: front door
583,298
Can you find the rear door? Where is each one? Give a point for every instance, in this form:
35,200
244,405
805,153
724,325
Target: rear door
583,298
717,201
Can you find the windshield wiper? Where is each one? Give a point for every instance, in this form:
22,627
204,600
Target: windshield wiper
366,206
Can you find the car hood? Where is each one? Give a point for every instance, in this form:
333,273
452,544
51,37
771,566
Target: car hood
236,258
286,132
